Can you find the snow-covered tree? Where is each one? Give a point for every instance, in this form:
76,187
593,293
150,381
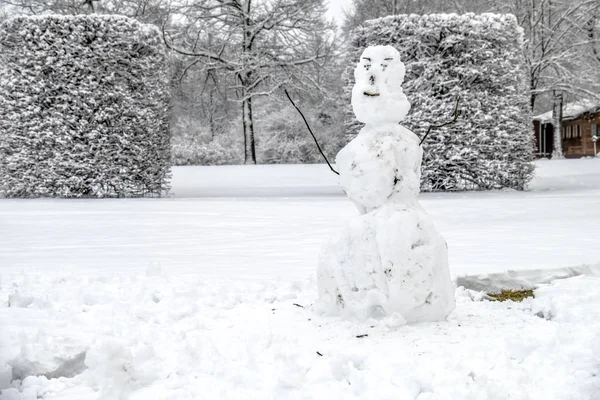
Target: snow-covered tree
259,47
559,38
478,59
363,10
148,11
84,104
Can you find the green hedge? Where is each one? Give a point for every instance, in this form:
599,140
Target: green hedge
84,108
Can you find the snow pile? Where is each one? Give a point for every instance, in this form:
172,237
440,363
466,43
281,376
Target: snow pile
560,176
523,279
573,300
153,336
389,260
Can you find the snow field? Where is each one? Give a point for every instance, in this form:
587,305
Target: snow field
155,337
280,238
189,298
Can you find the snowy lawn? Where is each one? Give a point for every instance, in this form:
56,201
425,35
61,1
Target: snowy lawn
210,294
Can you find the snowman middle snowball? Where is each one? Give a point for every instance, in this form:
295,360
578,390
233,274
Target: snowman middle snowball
389,259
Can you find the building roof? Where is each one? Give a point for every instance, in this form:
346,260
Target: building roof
570,111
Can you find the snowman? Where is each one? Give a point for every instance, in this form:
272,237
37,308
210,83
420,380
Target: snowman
389,261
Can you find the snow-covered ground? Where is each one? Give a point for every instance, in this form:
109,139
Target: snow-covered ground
272,222
208,294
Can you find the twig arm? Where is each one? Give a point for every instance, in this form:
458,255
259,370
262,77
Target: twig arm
310,130
455,114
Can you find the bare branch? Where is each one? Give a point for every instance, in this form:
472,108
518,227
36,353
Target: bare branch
226,64
455,115
311,132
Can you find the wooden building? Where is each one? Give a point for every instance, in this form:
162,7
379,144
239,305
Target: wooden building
580,123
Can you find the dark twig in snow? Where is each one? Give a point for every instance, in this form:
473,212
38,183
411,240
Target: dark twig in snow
320,354
362,336
455,114
298,305
310,130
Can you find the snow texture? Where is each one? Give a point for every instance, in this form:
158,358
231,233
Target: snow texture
377,95
154,336
523,279
275,219
207,295
476,59
84,104
389,260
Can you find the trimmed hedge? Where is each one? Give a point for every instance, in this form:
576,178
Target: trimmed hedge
84,108
478,58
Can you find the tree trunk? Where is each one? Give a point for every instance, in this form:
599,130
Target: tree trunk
211,114
249,145
246,81
557,114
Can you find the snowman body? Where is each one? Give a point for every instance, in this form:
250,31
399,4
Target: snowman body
390,259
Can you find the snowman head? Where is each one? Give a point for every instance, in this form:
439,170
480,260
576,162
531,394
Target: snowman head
377,96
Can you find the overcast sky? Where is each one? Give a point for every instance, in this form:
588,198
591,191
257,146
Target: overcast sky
336,8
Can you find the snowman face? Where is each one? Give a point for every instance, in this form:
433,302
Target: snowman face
377,96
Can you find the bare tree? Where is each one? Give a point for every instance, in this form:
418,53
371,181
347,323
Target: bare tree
593,30
3,12
264,46
557,42
557,116
149,11
560,36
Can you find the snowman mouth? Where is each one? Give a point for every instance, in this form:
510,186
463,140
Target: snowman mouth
371,94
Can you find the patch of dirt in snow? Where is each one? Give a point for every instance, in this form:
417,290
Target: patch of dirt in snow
161,337
523,279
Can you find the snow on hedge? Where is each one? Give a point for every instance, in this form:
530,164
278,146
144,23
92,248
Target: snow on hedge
84,105
479,59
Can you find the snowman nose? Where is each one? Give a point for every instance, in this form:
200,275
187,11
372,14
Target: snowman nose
372,79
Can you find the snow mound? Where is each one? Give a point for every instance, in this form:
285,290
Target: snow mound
388,262
522,279
562,300
558,176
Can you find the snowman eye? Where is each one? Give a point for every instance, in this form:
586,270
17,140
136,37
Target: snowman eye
383,67
367,63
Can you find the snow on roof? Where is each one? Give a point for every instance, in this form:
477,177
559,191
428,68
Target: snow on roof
570,110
